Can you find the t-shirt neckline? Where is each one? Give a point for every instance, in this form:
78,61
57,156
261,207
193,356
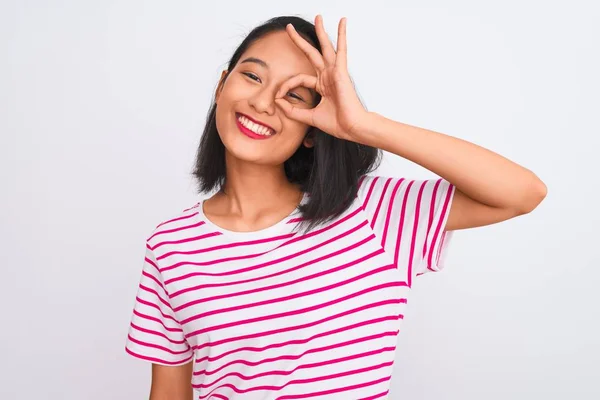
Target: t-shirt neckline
279,227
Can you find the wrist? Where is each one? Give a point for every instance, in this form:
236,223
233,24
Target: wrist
365,131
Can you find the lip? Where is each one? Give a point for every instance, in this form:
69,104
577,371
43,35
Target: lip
248,132
255,121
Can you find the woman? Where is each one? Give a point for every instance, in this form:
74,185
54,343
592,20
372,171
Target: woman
239,300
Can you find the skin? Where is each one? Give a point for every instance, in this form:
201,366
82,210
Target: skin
489,187
257,193
171,382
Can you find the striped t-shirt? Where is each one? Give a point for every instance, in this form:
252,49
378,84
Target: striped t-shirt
277,314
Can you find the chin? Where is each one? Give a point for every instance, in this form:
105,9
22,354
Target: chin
261,152
247,152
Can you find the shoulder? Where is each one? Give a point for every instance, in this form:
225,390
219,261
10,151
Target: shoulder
377,189
370,185
174,223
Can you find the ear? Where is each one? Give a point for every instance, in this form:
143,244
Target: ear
220,85
309,139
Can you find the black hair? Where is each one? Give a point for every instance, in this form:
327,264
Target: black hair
329,171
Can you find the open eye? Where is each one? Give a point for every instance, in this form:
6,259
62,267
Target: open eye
251,76
294,95
257,79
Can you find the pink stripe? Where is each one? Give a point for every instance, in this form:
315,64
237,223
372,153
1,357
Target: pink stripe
155,279
276,286
219,396
320,378
151,318
301,341
389,217
344,389
377,396
190,239
413,239
155,346
157,360
282,272
293,312
401,229
387,183
181,228
298,327
149,261
272,262
302,366
228,246
250,243
295,356
151,332
149,304
150,290
285,298
179,218
206,263
438,228
368,197
192,207
432,203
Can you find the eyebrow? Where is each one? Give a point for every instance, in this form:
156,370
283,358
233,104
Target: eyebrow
265,65
257,61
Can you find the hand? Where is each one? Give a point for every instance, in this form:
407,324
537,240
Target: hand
339,112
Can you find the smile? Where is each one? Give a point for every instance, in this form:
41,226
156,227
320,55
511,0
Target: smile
252,129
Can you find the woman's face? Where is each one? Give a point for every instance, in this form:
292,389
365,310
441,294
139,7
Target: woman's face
249,92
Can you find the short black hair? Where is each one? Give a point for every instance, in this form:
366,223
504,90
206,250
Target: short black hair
329,171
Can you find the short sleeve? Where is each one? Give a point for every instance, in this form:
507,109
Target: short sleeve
409,218
155,335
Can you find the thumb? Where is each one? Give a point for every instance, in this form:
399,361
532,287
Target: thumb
295,113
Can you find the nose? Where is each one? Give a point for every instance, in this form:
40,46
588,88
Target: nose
263,101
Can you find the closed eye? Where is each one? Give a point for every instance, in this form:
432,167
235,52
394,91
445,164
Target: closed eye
257,79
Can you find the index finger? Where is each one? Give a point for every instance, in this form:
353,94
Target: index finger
342,46
307,81
313,54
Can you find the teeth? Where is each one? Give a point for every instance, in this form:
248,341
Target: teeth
256,128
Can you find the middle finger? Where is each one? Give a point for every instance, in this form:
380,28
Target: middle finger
326,45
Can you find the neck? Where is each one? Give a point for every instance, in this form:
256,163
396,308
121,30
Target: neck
252,188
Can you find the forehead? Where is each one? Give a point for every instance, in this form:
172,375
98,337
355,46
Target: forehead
282,56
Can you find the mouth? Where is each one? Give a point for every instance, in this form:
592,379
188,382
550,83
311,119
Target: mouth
252,129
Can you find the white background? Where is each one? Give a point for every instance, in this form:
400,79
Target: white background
102,106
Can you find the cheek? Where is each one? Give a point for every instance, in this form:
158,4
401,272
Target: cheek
293,129
273,151
220,120
289,143
293,134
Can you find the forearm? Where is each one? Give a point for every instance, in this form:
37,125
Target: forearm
479,173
